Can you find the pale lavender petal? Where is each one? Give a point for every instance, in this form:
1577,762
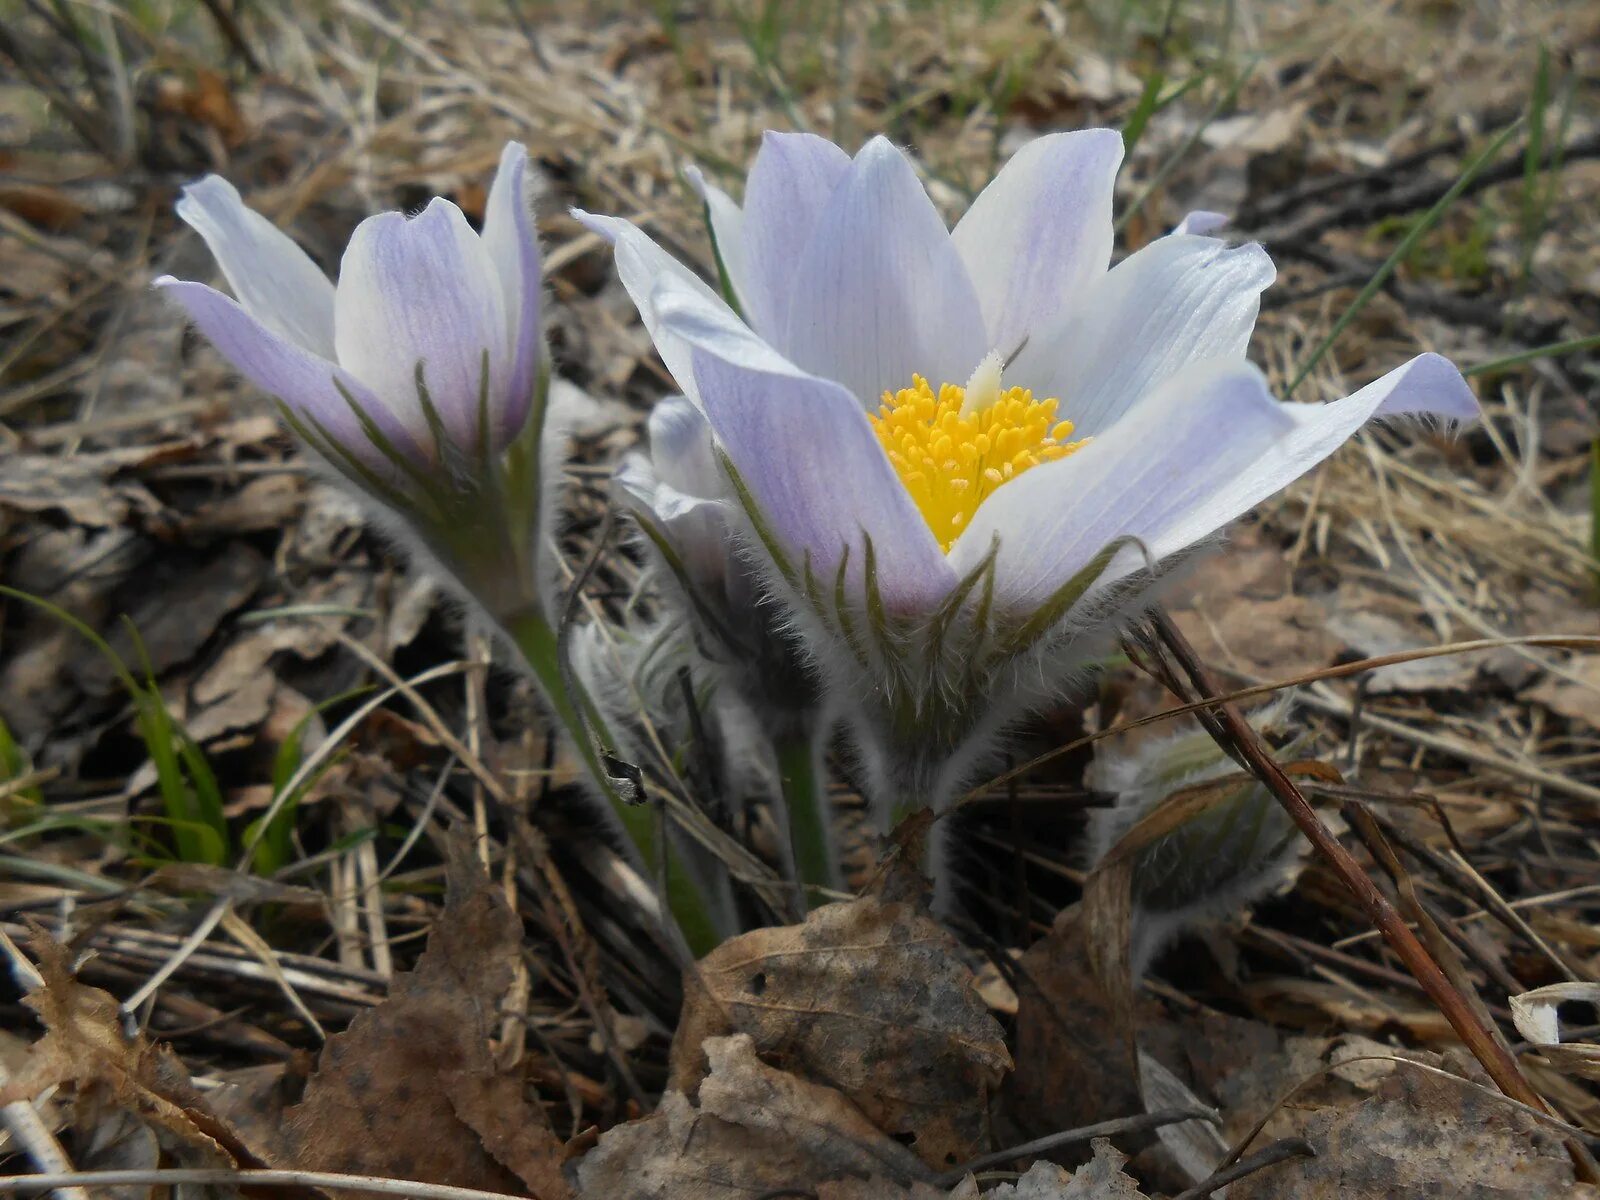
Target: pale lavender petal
1203,449
727,227
643,266
1040,234
423,290
804,449
880,293
1427,386
513,245
789,186
302,380
1178,301
1201,222
276,281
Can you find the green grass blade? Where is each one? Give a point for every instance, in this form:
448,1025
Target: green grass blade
1553,350
1142,111
1401,252
14,765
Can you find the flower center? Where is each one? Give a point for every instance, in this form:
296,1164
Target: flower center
953,449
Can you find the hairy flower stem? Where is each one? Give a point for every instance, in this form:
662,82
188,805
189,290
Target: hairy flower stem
694,929
804,795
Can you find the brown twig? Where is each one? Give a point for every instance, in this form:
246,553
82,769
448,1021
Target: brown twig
1280,1151
1502,1068
1138,1123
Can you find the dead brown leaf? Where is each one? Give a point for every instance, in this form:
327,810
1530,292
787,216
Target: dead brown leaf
84,1046
1577,698
1075,1064
1419,1135
755,1130
269,502
174,614
868,997
79,488
1238,611
411,1090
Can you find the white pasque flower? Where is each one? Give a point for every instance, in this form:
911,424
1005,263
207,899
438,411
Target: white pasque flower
965,453
421,377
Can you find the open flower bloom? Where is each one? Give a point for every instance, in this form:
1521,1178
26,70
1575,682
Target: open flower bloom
675,492
966,452
420,376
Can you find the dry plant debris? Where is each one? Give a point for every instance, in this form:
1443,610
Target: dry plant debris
871,998
324,1009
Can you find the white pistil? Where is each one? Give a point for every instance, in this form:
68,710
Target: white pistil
983,389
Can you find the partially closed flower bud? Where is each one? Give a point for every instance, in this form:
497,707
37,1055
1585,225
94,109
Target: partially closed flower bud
677,494
420,376
1236,849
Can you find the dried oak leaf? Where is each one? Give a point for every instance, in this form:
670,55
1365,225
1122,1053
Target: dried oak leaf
78,487
1419,1135
84,1046
175,611
869,997
1239,609
1076,1064
411,1089
755,1130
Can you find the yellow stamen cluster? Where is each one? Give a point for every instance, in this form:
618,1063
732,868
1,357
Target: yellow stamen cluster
951,454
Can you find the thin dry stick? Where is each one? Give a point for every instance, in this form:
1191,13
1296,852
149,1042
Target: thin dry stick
1069,1137
1502,1068
1278,1152
190,944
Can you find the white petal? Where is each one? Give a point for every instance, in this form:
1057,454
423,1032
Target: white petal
695,526
276,281
643,266
806,452
880,293
423,291
513,247
1178,301
727,227
790,183
1203,449
1201,222
681,450
689,316
1040,234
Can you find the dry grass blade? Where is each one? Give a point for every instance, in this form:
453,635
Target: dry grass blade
27,1185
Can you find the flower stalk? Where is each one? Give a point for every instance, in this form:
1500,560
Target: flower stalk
539,646
805,796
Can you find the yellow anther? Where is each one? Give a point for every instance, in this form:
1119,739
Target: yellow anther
952,448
